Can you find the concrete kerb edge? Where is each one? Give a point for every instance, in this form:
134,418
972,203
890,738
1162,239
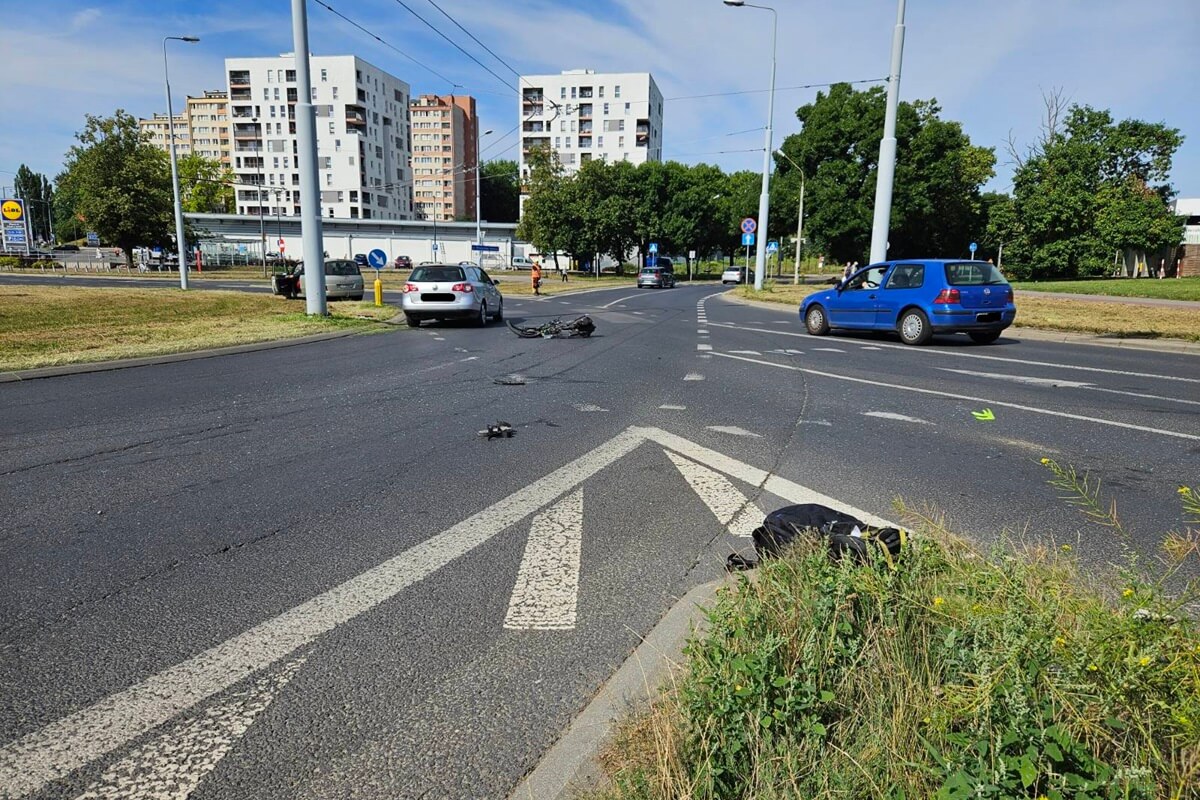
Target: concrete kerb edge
168,358
1041,334
572,765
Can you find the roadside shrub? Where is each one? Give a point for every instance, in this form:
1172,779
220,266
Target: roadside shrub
8,262
954,675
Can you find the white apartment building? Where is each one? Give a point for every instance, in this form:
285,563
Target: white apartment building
364,145
445,132
581,115
202,128
158,127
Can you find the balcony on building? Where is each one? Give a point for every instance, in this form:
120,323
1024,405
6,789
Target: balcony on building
533,127
585,92
585,127
585,110
642,133
239,79
243,112
356,116
246,130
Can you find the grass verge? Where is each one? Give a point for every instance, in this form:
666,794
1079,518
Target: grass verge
1166,289
955,675
1120,320
44,326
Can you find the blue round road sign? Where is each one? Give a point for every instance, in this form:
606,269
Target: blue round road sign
974,247
749,225
377,259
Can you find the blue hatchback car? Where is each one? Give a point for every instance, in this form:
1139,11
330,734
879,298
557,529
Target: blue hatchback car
916,298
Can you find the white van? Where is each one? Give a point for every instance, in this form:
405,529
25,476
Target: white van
521,262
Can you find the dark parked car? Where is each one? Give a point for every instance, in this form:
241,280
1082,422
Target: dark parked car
360,259
916,298
403,262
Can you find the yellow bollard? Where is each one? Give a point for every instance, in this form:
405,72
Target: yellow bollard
378,291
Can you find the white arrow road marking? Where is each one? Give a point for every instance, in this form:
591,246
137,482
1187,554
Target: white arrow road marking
588,407
693,376
897,417
547,589
731,508
950,395
29,763
734,430
171,766
1018,378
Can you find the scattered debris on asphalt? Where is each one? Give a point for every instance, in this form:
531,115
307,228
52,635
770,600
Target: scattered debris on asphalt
500,430
511,380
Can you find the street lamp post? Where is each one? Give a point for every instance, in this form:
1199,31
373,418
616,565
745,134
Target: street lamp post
764,200
478,223
799,217
180,240
262,230
887,147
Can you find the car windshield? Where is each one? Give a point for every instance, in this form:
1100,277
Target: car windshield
436,274
974,273
649,271
340,267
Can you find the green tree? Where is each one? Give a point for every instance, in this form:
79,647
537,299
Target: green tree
36,190
118,184
548,217
936,203
499,191
205,185
1089,189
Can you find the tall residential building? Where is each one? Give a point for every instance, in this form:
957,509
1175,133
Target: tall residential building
445,134
202,128
364,146
581,114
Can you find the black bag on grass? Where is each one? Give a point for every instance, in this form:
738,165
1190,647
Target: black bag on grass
847,535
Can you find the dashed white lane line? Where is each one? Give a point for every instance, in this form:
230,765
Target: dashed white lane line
702,331
985,401
546,593
172,765
703,346
589,407
931,352
896,417
693,376
733,430
1061,384
827,350
871,347
30,762
704,355
672,407
747,352
622,300
727,503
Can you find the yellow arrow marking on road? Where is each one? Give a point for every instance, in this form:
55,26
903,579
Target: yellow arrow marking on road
984,416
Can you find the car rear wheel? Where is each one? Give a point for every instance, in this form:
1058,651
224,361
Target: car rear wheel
482,319
815,321
500,313
984,337
413,322
914,327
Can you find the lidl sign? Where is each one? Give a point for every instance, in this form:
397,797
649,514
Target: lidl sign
13,210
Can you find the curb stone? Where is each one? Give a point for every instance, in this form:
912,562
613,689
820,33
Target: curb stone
1163,345
572,765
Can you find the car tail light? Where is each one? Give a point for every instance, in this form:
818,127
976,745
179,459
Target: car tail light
410,287
946,296
462,287
1008,294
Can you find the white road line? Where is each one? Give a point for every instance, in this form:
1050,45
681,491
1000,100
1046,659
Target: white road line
622,300
733,430
172,765
925,351
588,407
702,331
896,417
29,763
747,352
985,401
703,346
1091,387
781,487
546,594
827,350
732,509
704,355
693,376
670,407
871,347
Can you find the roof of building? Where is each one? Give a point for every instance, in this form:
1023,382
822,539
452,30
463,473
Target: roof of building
1186,206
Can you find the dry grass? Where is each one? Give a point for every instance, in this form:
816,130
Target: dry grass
1056,314
53,325
1167,289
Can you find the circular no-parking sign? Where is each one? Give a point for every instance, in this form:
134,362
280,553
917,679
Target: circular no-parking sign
749,225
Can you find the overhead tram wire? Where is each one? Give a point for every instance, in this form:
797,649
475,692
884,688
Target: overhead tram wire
458,25
778,89
453,43
383,42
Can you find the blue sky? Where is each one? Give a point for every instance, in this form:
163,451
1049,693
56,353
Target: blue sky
986,61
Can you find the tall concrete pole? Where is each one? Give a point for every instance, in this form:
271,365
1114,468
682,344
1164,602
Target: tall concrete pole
887,148
180,239
764,199
313,247
799,231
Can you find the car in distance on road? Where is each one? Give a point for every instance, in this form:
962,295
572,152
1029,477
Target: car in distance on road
521,262
343,279
451,291
735,275
403,262
916,298
656,277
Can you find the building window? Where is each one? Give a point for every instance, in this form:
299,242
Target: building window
599,141
331,130
266,93
602,91
335,93
617,90
627,108
329,179
270,76
558,141
606,109
620,141
337,145
562,94
276,164
324,75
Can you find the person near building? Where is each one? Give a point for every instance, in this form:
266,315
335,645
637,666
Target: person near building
847,271
1162,268
535,277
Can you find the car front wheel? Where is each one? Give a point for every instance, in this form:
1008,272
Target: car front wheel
413,322
914,327
815,321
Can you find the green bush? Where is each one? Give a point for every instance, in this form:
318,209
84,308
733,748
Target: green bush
8,262
953,675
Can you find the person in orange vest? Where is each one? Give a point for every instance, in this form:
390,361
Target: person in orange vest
535,276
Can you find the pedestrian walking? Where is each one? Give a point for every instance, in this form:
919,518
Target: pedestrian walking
1162,268
847,272
562,272
535,277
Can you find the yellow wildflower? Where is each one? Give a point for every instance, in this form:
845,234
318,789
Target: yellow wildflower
1184,490
1127,592
1059,641
1145,661
1045,461
1066,548
1093,668
938,601
737,687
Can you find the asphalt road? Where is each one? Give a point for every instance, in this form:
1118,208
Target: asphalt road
300,572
